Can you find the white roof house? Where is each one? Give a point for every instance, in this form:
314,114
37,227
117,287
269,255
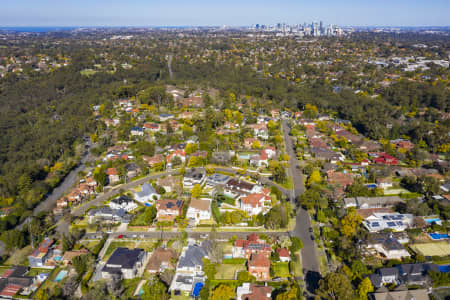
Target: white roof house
394,221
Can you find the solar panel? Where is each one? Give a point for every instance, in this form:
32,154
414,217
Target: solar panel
375,224
400,223
391,224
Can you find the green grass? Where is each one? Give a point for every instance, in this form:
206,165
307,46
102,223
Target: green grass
130,286
297,266
88,72
281,269
114,245
36,271
146,245
226,271
19,256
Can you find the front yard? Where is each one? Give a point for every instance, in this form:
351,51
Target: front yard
114,245
281,269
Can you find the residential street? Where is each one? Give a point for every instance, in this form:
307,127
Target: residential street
302,229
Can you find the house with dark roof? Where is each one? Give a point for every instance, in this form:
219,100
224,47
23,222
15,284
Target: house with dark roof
190,268
387,245
147,195
15,280
125,263
410,274
123,202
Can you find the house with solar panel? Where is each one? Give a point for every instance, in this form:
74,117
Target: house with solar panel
168,209
41,254
393,221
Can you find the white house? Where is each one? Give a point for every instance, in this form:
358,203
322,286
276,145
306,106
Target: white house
199,209
253,204
137,131
146,195
194,177
123,202
394,221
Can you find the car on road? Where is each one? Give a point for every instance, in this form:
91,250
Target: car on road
310,229
312,237
120,236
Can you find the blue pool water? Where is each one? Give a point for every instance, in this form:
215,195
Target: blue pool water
147,204
444,269
60,276
57,258
371,186
431,221
197,288
141,292
227,256
244,156
439,236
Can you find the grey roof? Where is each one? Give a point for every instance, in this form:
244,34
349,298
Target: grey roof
147,189
388,271
218,178
193,257
107,211
375,279
122,199
125,257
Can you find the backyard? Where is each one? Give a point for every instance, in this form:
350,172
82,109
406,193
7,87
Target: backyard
114,245
226,271
281,269
432,249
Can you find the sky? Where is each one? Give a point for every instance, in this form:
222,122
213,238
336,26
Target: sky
225,12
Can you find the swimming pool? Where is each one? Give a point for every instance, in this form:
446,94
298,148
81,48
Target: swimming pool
444,269
57,258
439,236
197,288
60,276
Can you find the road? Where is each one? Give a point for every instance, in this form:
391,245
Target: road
302,228
63,226
50,201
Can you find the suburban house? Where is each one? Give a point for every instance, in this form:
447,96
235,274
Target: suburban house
132,170
137,131
248,142
41,254
189,269
340,178
260,160
164,117
168,209
284,254
153,160
177,153
169,183
70,255
384,183
146,195
259,266
193,177
252,291
394,221
123,202
161,260
109,215
411,274
199,209
420,294
153,127
372,202
113,175
217,179
14,280
383,158
388,245
125,263
254,204
237,187
252,245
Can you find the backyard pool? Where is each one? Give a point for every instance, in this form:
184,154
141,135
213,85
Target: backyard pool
439,236
197,288
57,258
60,276
444,269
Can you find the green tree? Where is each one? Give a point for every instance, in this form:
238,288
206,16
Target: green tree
314,178
335,286
223,292
155,290
364,288
196,191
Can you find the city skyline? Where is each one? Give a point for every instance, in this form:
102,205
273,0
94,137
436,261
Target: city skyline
214,13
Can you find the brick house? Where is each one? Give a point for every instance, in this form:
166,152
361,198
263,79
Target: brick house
168,209
259,266
252,245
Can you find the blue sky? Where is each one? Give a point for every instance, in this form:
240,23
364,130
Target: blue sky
231,12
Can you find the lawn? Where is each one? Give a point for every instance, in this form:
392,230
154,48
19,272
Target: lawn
89,244
130,286
114,245
297,268
226,271
443,294
281,269
146,245
432,249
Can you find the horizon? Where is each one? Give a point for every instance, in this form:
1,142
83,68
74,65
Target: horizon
202,13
